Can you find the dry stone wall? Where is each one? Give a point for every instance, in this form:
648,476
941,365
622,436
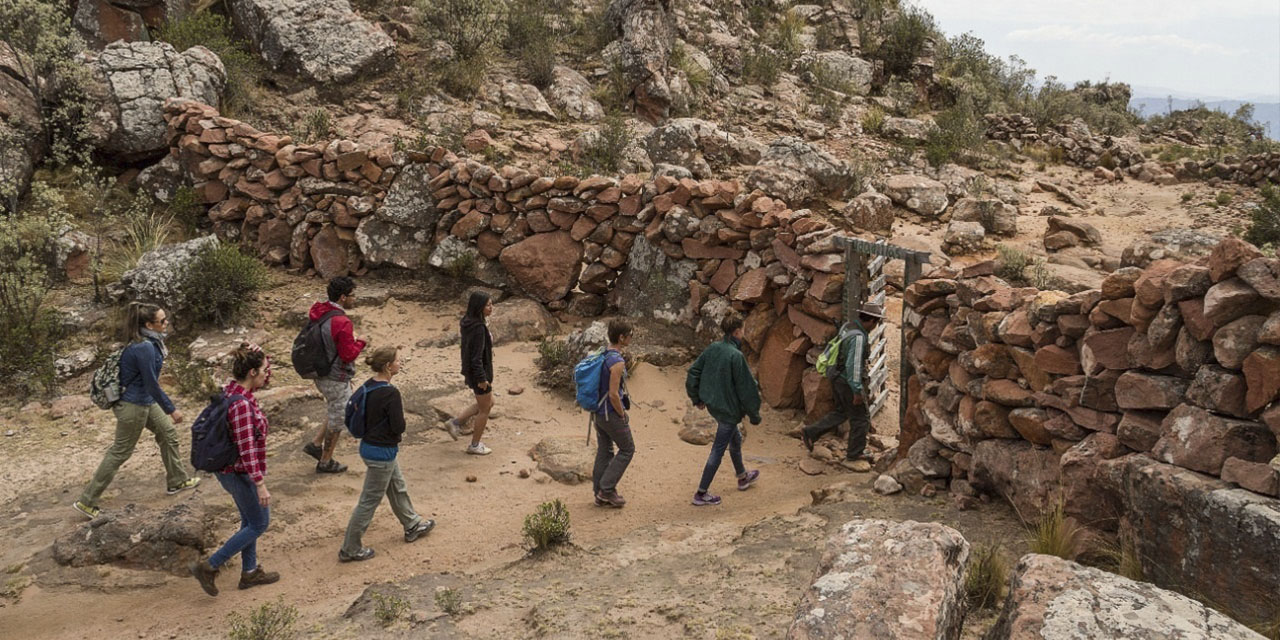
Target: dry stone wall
679,249
1148,407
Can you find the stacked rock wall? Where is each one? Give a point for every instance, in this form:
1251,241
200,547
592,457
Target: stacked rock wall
1139,406
683,250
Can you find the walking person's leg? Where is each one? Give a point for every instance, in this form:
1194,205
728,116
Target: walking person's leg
745,478
130,419
484,402
254,519
842,399
336,395
161,426
604,455
724,433
376,478
620,433
398,495
859,425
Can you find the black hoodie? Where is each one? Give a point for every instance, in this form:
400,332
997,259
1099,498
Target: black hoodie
477,345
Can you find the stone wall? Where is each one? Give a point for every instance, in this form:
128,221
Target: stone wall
1141,406
681,250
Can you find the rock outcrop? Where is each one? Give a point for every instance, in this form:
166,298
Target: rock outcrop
139,538
321,40
159,274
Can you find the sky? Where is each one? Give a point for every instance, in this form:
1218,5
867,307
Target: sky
1196,48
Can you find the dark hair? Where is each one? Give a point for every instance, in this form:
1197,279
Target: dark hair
246,358
731,323
476,303
340,286
136,318
617,329
381,358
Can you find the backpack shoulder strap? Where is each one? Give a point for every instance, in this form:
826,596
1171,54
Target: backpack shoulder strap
329,314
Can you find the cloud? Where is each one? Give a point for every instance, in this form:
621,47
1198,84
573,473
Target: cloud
1103,12
1086,36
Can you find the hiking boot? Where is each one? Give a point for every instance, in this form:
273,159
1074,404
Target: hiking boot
419,530
89,511
857,465
258,577
206,575
360,556
808,441
314,450
189,484
332,466
704,499
478,449
451,425
610,499
748,479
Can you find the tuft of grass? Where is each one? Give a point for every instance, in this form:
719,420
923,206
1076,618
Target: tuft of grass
873,120
552,353
449,600
318,125
145,228
1264,221
388,608
605,153
548,526
270,621
464,265
762,65
1010,262
985,581
1053,535
1188,196
1223,198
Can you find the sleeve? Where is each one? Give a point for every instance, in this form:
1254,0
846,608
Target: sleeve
853,361
147,371
344,339
240,416
395,411
693,381
745,386
473,353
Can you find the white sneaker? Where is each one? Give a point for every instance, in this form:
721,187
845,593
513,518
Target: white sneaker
452,426
479,449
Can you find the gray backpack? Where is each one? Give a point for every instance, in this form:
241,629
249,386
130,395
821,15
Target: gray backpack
104,389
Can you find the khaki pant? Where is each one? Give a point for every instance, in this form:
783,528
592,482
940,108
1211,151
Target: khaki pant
381,479
131,419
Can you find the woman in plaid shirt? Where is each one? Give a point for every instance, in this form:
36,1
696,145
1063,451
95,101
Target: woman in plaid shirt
246,479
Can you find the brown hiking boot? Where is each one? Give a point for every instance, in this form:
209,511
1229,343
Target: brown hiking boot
258,577
206,575
611,498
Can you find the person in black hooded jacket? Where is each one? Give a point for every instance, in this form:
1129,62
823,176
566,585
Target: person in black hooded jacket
477,370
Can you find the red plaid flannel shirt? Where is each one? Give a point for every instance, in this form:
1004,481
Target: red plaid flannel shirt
249,430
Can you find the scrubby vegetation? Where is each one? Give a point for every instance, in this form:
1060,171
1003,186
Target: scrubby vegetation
214,32
270,621
959,132
388,608
1264,221
220,284
605,152
985,580
1053,534
29,331
449,600
904,39
548,526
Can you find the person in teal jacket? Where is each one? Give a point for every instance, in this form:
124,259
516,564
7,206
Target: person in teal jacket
721,382
847,389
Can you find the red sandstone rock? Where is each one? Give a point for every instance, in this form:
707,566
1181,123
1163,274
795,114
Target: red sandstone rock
1139,430
1119,283
546,265
1231,299
1056,360
329,253
1218,390
752,286
1235,341
1149,287
1257,477
1263,274
1198,440
780,371
1262,378
1228,255
1136,390
1106,350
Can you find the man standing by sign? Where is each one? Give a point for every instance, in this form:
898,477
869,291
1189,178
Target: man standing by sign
849,384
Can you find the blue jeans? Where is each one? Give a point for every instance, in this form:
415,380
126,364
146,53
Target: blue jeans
727,436
253,523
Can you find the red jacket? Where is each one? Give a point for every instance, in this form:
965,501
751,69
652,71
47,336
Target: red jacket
344,339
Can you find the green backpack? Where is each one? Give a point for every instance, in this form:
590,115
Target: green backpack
828,364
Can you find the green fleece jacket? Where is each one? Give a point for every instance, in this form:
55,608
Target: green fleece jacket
720,379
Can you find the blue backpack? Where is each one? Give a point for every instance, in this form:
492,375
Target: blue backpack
355,409
212,446
588,377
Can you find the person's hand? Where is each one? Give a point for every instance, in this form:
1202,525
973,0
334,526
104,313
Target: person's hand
857,399
264,496
176,416
755,419
484,386
701,405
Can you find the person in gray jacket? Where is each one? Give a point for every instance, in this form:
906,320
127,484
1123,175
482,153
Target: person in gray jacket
849,392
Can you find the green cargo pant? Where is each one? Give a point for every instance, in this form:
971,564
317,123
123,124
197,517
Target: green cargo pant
381,478
131,419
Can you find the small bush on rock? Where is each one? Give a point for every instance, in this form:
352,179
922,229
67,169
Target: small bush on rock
388,608
531,39
215,32
985,580
548,526
605,152
145,227
271,621
958,135
873,121
762,65
905,39
449,600
1264,222
220,283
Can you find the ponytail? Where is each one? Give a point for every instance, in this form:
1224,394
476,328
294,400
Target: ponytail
137,316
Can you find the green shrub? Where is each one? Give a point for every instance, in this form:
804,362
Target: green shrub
1010,263
552,353
187,209
215,32
873,120
785,36
605,152
699,79
270,621
986,577
1053,535
449,600
317,126
469,27
1223,198
964,68
763,65
905,39
388,608
1264,221
548,526
462,77
959,133
614,90
1054,104
588,31
220,283
531,40
29,332
827,36
462,266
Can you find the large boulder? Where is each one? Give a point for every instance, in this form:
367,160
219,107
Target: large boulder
853,72
1026,476
566,459
520,320
1055,599
321,40
886,580
871,211
656,285
409,202
922,195
160,272
22,146
545,265
101,22
1202,441
526,99
572,93
646,30
797,171
700,146
383,242
1183,245
139,538
140,76
781,368
996,217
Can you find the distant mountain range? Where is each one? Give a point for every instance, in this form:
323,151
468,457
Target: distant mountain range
1149,102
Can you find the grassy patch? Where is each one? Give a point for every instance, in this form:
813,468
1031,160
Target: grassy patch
1264,221
985,581
547,527
449,600
388,608
1051,534
270,621
605,152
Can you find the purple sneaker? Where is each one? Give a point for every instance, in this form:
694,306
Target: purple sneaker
703,499
747,480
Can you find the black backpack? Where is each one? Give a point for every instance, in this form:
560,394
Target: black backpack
212,446
310,357
355,414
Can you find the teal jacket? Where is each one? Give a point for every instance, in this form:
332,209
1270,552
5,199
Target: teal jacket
721,379
853,346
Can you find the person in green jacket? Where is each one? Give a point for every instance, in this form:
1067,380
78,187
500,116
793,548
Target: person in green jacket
847,389
721,382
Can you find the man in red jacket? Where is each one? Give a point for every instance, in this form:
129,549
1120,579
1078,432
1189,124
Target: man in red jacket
343,348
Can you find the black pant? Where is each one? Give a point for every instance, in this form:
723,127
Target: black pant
857,415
